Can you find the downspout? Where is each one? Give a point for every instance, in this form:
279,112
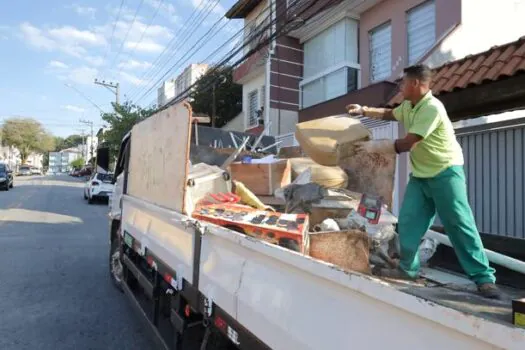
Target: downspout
271,51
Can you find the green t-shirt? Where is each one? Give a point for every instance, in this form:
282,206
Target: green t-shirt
439,148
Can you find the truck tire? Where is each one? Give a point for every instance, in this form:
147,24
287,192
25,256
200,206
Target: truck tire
115,265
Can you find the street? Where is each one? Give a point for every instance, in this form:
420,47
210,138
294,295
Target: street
55,290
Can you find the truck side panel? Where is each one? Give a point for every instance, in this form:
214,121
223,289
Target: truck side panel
162,231
293,302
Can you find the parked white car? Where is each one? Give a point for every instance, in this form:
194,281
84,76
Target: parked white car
99,186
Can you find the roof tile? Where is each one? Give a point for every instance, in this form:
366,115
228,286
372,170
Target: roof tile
496,63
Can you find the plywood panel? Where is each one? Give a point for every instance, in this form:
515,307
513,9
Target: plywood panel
158,164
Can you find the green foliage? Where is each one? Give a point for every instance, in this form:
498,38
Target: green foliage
69,142
78,163
120,123
27,135
228,95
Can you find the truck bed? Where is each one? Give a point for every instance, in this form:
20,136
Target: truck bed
291,301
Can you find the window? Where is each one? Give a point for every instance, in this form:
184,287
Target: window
381,52
253,105
331,65
421,30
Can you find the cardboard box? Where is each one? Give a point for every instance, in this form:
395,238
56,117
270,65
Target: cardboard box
262,179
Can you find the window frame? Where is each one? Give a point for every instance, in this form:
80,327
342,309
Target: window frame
407,14
370,33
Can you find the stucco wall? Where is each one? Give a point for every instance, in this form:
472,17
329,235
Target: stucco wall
448,13
484,23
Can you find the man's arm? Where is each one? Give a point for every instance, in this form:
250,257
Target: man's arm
405,144
371,112
379,113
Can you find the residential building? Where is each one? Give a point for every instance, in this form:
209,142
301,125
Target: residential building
179,86
11,156
188,77
35,159
353,51
165,93
60,162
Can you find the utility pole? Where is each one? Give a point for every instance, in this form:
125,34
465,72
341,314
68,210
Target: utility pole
113,87
90,124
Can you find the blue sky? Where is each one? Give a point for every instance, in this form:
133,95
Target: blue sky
47,45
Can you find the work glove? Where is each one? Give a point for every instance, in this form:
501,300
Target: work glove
355,110
369,112
376,146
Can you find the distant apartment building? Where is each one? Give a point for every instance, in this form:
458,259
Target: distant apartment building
60,162
179,86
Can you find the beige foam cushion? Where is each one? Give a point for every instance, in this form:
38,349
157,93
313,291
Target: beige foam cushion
327,176
327,140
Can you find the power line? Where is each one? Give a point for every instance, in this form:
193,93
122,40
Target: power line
113,32
127,34
258,47
174,43
195,49
131,54
236,51
168,45
84,96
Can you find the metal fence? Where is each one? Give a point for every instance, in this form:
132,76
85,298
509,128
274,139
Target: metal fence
495,170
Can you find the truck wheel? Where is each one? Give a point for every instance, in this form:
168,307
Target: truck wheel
115,264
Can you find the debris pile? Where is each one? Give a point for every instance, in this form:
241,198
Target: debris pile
299,197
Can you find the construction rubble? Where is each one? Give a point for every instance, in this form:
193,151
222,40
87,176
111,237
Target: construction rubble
319,199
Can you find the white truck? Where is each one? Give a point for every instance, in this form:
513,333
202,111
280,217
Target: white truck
201,286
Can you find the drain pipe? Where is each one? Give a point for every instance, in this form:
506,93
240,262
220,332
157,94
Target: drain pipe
496,258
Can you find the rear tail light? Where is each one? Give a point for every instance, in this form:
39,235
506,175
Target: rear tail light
94,183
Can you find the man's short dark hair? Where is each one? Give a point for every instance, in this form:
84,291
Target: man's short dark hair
420,72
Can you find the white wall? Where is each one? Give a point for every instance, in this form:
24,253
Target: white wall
485,23
283,121
236,124
258,20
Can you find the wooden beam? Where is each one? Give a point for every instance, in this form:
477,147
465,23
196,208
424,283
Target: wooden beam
492,97
201,118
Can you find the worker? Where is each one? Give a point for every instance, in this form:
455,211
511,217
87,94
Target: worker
437,182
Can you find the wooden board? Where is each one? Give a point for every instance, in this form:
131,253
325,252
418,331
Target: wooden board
262,179
346,249
158,165
371,173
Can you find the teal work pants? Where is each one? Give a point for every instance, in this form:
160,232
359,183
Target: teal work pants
445,193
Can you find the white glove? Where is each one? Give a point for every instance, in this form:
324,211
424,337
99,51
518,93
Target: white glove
355,110
376,146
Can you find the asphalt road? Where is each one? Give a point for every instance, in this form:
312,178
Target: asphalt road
55,290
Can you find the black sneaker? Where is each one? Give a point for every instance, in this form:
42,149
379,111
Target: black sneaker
490,291
391,273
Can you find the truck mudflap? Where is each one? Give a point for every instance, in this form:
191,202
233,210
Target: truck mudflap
212,314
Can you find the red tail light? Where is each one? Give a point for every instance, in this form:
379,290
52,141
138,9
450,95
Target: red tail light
94,183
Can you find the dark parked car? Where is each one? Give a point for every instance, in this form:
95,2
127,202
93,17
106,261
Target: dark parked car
6,177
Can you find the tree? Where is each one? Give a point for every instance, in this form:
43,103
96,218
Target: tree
228,95
27,135
78,163
120,123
